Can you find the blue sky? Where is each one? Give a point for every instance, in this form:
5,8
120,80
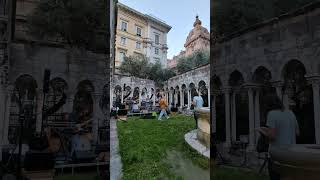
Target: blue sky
179,14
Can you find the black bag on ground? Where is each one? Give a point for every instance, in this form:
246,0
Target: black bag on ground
262,144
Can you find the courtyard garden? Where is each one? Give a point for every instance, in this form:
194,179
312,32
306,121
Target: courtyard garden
152,149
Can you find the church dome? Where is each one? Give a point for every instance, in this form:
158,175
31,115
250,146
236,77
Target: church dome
197,32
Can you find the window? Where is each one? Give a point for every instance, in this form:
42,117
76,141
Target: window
138,31
123,41
156,50
121,56
124,26
156,38
138,45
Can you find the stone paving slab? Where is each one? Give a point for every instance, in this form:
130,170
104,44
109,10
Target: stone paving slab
115,158
191,139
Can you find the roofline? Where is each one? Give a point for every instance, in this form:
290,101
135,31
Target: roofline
294,13
148,17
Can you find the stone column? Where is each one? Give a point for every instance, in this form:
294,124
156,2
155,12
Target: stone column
98,117
257,113
2,113
189,99
214,114
227,109
154,99
181,99
209,97
39,101
251,118
8,92
121,97
316,109
233,117
111,99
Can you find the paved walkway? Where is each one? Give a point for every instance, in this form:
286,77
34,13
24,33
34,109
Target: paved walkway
115,160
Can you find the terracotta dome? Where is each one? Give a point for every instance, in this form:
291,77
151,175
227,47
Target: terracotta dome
197,32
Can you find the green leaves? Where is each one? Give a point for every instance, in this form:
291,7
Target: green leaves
80,23
140,66
197,59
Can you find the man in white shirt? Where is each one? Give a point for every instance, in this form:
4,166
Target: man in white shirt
197,103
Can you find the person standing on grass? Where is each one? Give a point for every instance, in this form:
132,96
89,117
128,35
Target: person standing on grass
282,129
197,103
163,106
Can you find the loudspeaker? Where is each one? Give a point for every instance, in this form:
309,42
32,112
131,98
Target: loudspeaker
46,81
36,160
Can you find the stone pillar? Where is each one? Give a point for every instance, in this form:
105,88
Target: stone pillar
251,118
227,109
121,97
39,101
316,109
257,113
2,113
181,99
98,117
214,114
209,97
8,92
233,117
111,99
189,99
154,99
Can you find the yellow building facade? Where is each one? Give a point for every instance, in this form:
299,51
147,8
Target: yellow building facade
130,34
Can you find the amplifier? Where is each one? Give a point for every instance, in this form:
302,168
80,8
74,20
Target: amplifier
35,160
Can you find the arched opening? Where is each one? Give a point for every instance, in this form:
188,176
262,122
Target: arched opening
300,99
192,90
177,92
117,98
54,98
83,101
104,101
136,94
218,106
185,95
23,100
203,91
239,106
127,92
262,77
172,99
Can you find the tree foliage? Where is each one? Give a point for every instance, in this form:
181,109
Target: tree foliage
197,59
140,66
232,15
79,23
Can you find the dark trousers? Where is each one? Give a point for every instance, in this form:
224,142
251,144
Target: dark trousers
272,173
196,116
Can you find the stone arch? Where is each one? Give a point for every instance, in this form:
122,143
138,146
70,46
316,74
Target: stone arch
218,108
203,92
239,105
185,94
136,93
192,89
299,98
178,94
83,99
57,89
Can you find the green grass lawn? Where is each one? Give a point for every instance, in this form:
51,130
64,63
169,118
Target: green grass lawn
144,145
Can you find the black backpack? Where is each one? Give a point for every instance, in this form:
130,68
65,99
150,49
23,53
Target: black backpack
263,143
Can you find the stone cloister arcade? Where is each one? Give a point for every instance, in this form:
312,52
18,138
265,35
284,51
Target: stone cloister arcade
178,91
267,59
124,88
181,89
